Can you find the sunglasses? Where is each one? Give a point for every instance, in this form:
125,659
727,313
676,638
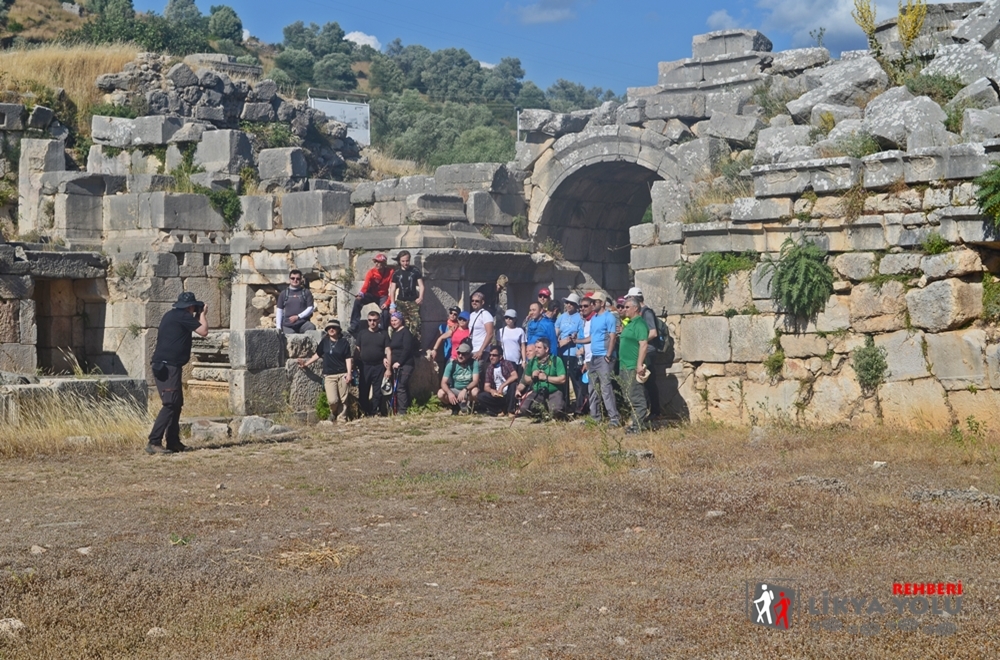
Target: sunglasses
295,278
494,355
477,300
453,313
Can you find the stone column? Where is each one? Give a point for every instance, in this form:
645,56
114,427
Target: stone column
37,158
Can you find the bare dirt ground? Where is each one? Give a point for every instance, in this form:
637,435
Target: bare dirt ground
441,537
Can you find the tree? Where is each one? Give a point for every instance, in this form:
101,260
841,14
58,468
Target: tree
182,11
531,96
503,82
386,75
224,23
319,41
566,96
452,75
482,144
297,63
334,72
411,60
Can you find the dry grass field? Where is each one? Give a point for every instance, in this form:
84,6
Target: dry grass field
442,537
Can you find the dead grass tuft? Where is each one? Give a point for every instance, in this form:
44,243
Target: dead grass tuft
307,556
385,166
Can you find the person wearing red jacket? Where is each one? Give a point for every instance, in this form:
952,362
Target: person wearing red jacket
374,290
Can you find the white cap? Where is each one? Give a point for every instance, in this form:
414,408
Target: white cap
510,314
634,291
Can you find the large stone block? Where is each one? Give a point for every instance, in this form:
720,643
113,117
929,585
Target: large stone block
914,404
956,263
258,392
280,163
257,349
751,209
425,208
854,266
655,257
766,402
904,354
968,62
224,151
112,131
773,143
944,305
258,212
981,25
483,208
804,346
846,82
958,359
305,385
316,208
19,358
878,309
978,405
669,201
725,42
738,130
705,339
11,117
154,130
752,337
834,399
725,400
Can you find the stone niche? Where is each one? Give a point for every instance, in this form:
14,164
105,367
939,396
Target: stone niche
62,311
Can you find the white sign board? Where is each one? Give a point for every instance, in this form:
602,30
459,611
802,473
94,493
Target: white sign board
355,115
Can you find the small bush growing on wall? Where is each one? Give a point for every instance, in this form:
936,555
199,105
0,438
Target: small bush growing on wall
988,194
991,298
802,282
870,365
705,278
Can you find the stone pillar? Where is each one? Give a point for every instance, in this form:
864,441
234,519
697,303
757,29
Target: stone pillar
37,158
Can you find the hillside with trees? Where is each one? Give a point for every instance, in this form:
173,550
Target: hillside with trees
432,107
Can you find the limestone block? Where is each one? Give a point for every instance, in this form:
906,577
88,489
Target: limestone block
968,62
225,151
705,339
883,169
674,105
752,209
316,208
707,237
979,125
904,355
760,282
181,75
914,404
752,336
208,291
725,400
261,348
451,179
957,359
956,263
278,163
979,406
854,266
659,285
303,345
798,59
427,208
725,42
669,200
803,346
978,94
885,117
982,24
763,402
397,190
644,234
112,131
258,392
823,112
305,385
895,264
875,309
867,233
10,324
550,123
738,130
772,143
834,399
258,212
842,83
699,157
153,129
944,305
655,257
11,117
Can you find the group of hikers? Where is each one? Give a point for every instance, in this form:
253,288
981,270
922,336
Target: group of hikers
561,361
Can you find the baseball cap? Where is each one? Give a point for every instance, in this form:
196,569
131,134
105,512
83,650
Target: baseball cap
545,292
464,348
634,291
510,314
621,301
464,315
379,257
590,295
453,308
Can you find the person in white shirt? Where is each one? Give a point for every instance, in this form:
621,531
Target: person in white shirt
512,341
480,329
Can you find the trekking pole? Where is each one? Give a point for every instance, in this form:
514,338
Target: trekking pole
395,386
517,409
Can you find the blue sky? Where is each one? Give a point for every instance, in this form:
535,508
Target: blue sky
595,42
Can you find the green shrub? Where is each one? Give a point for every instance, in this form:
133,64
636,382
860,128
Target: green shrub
988,194
991,298
770,101
802,282
935,244
940,87
870,365
227,203
705,278
322,406
774,363
519,226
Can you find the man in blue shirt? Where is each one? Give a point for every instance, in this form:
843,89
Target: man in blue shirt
603,328
538,327
569,326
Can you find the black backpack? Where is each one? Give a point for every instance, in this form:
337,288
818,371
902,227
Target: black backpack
663,343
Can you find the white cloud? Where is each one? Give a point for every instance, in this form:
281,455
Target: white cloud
362,39
487,65
546,11
720,20
799,17
246,34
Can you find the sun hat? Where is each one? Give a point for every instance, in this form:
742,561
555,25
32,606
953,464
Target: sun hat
332,324
187,299
572,299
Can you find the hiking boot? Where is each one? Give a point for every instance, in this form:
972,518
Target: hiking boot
179,447
152,449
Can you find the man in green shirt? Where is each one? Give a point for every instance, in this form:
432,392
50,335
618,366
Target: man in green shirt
632,347
460,381
542,383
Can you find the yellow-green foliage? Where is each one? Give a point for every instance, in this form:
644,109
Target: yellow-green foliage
910,21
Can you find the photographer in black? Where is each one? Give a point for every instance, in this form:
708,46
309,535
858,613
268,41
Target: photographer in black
173,350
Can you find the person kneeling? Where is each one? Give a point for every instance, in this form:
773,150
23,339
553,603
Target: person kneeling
497,397
460,382
541,387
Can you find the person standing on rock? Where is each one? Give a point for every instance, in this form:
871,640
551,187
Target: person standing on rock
337,367
374,290
173,351
372,346
406,292
295,306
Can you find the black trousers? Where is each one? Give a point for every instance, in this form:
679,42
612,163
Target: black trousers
167,425
370,388
495,405
401,382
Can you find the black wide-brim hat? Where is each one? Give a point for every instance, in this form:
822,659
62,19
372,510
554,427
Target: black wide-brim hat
187,299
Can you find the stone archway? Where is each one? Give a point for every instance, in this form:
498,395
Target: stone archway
589,188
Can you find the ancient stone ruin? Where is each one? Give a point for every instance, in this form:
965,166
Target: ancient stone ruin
735,150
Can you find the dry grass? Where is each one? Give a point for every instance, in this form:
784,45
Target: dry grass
67,425
73,68
43,20
385,166
459,537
